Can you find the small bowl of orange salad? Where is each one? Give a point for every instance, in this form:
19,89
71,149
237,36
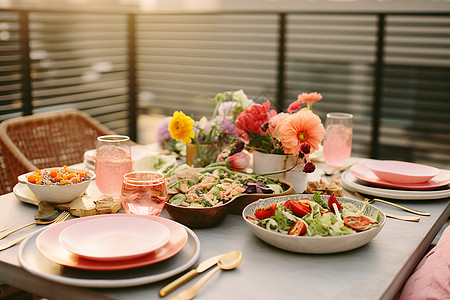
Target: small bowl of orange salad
57,185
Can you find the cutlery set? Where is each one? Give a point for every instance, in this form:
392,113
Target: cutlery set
404,218
227,261
61,218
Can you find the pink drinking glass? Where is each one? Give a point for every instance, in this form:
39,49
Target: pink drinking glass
143,193
112,162
337,142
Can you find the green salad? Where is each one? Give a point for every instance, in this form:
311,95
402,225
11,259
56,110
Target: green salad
208,187
314,217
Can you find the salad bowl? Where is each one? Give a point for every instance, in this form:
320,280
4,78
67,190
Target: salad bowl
313,244
58,193
198,217
242,200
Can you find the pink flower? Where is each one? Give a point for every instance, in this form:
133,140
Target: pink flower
275,120
302,127
252,119
309,99
238,161
294,106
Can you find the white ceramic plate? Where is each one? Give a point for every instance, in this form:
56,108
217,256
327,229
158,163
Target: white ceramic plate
24,194
351,183
402,172
34,262
114,238
48,244
313,244
362,172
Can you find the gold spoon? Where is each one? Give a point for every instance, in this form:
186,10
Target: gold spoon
228,261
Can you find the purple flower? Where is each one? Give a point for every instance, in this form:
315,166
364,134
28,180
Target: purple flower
162,131
227,126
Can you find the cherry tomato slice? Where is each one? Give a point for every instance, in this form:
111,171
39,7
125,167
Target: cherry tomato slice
299,228
299,208
267,212
357,223
332,200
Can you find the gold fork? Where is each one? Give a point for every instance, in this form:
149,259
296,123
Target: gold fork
417,212
26,225
61,218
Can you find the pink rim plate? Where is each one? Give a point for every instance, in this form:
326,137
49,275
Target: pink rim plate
114,238
48,245
362,172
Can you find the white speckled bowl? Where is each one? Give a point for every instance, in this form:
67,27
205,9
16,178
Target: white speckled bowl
57,193
313,244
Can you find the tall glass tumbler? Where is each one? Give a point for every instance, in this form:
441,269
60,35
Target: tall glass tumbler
112,162
337,142
144,193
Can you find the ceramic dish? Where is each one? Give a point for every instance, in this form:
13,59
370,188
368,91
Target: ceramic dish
351,183
313,244
34,262
242,200
198,217
402,172
362,172
24,194
114,238
48,245
203,217
55,193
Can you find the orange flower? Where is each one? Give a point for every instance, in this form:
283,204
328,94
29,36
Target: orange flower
302,127
309,99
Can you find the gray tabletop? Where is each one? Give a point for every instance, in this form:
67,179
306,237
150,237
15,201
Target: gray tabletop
374,271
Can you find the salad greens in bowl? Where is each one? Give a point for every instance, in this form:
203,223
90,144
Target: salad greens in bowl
201,198
314,223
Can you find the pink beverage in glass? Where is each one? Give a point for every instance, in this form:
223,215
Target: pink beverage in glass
144,193
112,162
337,142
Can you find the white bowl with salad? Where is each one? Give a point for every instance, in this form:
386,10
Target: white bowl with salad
316,224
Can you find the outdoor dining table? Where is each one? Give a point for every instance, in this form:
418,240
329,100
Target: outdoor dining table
376,270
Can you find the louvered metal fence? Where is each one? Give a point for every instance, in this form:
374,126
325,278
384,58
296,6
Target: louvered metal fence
391,70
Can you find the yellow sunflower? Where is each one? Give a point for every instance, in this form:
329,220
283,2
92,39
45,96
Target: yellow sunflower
181,127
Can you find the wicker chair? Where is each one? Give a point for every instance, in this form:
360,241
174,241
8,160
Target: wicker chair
47,140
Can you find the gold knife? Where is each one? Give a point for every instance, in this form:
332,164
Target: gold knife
203,266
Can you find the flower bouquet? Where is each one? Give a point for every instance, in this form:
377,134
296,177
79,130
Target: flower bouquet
205,138
282,142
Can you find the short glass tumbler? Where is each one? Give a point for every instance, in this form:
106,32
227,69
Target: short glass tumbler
144,193
337,142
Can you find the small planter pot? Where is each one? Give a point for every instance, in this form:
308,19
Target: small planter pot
265,163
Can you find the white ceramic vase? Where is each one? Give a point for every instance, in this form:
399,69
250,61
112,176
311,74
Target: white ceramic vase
265,163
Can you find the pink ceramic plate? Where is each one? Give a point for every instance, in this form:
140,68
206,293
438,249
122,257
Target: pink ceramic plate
401,171
362,172
48,245
114,238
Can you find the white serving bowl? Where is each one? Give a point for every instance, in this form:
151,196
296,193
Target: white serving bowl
57,193
313,244
402,172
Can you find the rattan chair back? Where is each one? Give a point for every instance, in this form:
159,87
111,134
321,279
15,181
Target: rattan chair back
47,140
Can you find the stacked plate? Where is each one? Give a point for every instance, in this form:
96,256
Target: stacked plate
143,159
134,249
397,180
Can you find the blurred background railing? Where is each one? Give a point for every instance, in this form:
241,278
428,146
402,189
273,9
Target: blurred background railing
390,69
